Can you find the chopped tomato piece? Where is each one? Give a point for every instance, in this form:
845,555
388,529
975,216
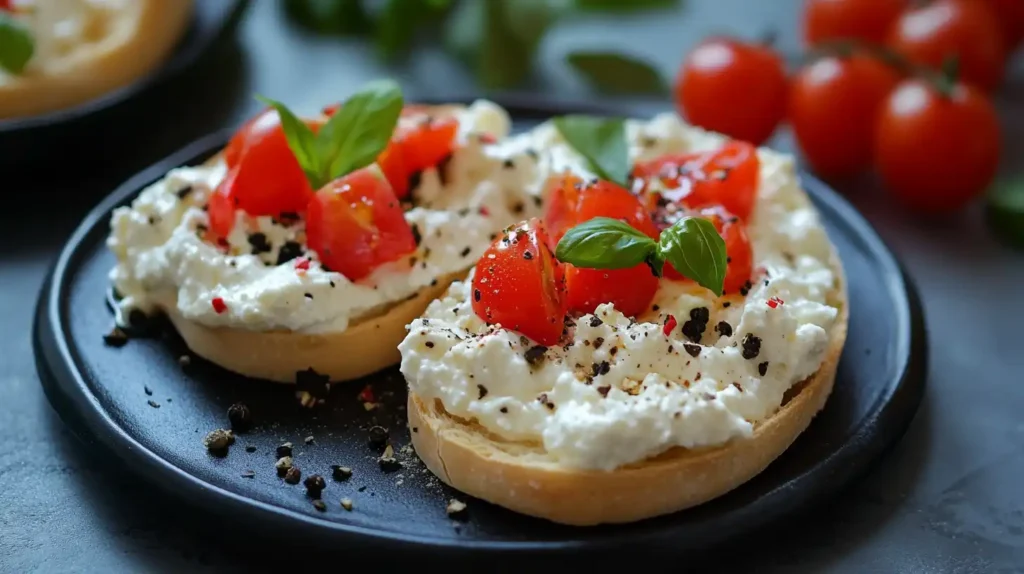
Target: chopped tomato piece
572,202
356,224
268,178
726,177
520,285
414,149
220,208
737,249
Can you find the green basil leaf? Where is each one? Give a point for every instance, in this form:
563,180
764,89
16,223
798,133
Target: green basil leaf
343,17
625,5
602,141
1004,211
694,248
618,73
604,243
360,130
301,140
16,45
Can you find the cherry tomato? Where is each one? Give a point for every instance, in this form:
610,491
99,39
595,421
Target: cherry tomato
414,148
967,29
269,180
864,20
737,248
220,207
520,285
572,202
936,152
732,87
5,5
355,224
727,176
1010,14
833,104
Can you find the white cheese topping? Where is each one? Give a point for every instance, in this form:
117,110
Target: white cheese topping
162,261
622,391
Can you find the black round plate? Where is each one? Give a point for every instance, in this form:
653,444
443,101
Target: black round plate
104,392
26,139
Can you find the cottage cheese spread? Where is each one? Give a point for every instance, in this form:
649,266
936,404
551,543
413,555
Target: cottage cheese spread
163,262
622,391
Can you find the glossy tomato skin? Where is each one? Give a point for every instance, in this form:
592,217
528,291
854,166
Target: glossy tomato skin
415,148
573,202
936,153
967,29
727,176
732,87
1010,14
269,180
220,207
833,104
864,20
520,285
737,248
355,224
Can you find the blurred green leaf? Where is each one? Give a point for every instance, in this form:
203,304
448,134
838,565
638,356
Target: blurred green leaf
625,5
618,73
1005,211
498,39
396,26
347,17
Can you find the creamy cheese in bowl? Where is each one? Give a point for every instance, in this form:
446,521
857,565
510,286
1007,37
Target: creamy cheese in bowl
457,209
621,390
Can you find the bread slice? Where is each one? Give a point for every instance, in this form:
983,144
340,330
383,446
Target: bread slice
366,346
522,477
125,45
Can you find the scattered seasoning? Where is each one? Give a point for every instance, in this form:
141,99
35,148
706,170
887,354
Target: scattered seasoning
476,295
595,321
258,242
287,218
340,473
509,163
153,404
603,389
218,305
724,329
282,465
613,351
218,440
774,302
746,288
727,304
116,337
240,417
307,295
302,264
429,344
417,236
527,255
762,368
518,208
738,386
670,324
284,449
601,368
249,474
346,503
455,508
387,461
535,354
250,448
309,439
751,346
378,436
598,342
184,361
313,383
466,251
315,484
147,390
366,395
320,505
691,349
183,192
293,475
543,399
698,323
289,250
482,391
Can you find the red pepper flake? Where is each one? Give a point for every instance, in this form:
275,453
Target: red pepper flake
487,138
366,395
774,302
670,324
484,211
218,305
302,263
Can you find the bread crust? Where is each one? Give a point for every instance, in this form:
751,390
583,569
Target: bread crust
520,477
365,347
135,41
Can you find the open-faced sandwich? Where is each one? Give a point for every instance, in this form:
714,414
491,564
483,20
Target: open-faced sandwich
667,329
58,53
301,251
